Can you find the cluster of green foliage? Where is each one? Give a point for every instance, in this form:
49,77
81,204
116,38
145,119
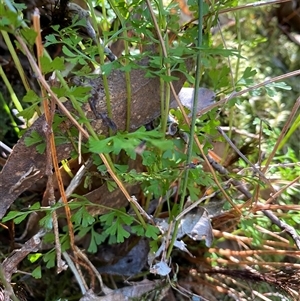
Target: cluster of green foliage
163,155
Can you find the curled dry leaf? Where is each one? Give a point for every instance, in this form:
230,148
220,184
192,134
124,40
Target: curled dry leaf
196,224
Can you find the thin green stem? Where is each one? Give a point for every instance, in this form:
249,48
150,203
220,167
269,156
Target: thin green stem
236,74
166,88
293,128
164,48
139,216
128,82
162,103
126,60
102,59
11,91
167,105
15,59
192,130
104,16
8,112
239,40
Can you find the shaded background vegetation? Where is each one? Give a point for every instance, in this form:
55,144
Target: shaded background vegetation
269,49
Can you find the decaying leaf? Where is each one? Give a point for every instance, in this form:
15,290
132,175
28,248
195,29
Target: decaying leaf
196,224
161,268
125,293
182,246
205,98
132,263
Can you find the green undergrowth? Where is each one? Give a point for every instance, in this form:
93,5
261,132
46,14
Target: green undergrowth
244,55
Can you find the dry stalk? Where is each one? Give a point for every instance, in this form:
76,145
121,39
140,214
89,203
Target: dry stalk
51,153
